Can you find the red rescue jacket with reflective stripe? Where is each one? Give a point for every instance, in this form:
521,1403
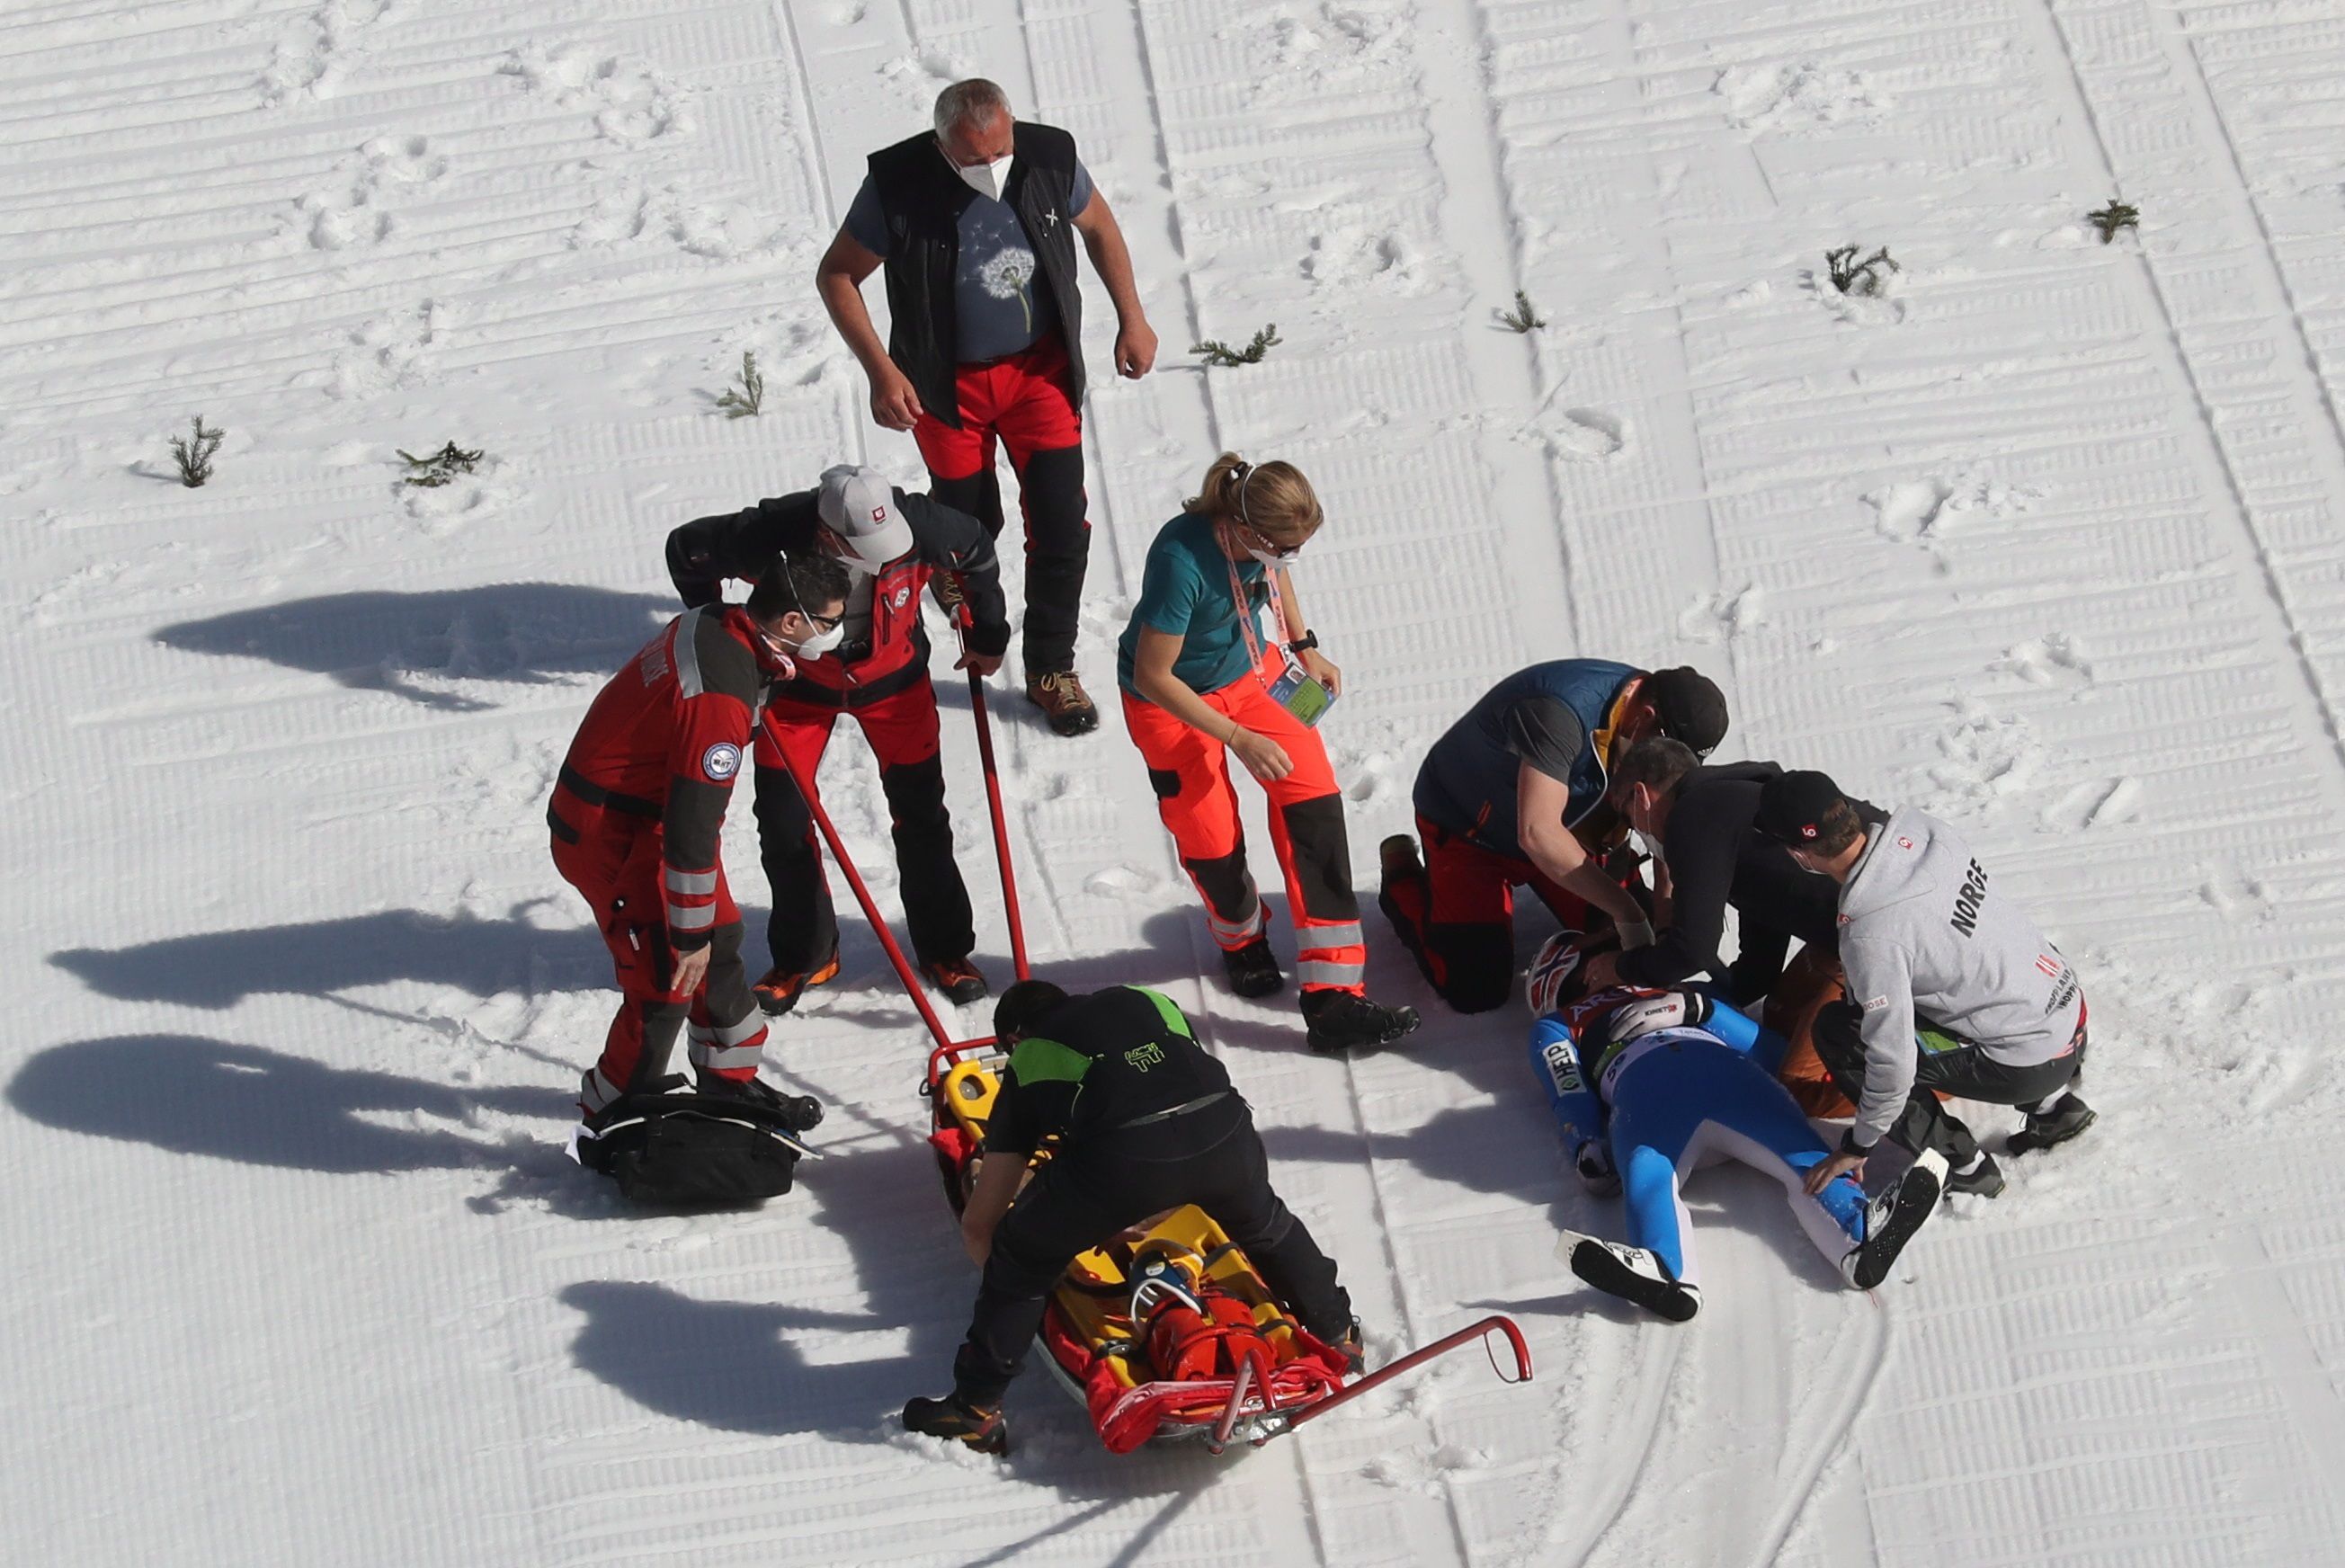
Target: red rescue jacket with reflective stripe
664,738
743,545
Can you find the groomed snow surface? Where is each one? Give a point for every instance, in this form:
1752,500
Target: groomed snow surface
2045,538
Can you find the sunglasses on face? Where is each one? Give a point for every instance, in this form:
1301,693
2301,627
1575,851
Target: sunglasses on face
1272,548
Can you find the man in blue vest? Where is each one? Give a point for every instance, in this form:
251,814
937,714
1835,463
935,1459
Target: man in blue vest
1514,795
976,225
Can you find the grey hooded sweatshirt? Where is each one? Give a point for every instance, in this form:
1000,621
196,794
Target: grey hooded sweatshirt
1924,930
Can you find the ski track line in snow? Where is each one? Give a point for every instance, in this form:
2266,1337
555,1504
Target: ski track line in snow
362,1143
1215,423
2272,285
1801,1491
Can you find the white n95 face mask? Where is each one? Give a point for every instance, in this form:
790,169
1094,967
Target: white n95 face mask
986,178
821,643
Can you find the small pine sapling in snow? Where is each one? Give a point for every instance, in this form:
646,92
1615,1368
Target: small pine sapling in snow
1217,352
1523,317
432,473
2116,216
194,454
749,397
1851,276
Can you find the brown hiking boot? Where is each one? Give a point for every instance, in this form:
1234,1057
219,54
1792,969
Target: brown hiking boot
1059,694
976,1426
778,992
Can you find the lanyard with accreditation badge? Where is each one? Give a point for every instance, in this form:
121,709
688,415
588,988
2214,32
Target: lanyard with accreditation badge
1295,689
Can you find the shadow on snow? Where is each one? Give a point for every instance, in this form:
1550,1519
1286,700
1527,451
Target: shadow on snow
219,969
193,1094
522,633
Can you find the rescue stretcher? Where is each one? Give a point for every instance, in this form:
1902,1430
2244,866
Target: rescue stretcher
1260,1374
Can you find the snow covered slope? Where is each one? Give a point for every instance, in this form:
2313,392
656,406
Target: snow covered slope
2046,538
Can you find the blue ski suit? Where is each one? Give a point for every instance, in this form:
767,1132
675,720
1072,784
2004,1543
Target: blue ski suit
1675,1099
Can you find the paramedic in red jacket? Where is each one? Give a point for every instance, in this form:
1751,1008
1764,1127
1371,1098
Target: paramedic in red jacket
893,544
636,816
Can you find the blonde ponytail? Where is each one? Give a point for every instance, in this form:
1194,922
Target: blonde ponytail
1272,499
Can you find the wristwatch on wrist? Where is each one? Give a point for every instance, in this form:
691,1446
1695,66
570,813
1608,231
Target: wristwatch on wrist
1309,639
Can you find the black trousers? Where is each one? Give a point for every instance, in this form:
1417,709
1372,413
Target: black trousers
1965,1071
803,929
1058,543
1210,1158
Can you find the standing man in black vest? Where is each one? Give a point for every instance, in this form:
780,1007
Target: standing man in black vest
976,223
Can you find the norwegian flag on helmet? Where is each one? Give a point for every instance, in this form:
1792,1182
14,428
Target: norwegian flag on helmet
1558,960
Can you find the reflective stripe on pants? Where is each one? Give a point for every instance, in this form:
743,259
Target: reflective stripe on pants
1191,775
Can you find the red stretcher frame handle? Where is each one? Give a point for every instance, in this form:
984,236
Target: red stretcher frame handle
945,1045
1497,1324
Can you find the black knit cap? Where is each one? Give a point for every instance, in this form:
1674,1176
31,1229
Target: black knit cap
1792,806
1690,706
1025,1004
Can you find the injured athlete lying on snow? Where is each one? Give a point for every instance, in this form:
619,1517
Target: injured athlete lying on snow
1646,1086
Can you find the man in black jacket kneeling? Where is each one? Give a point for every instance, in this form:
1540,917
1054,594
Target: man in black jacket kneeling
1146,1121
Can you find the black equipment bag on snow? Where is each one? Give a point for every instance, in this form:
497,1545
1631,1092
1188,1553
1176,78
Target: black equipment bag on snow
692,1151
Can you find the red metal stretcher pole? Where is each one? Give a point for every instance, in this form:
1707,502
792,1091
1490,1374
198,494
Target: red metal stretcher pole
993,802
870,909
1502,1325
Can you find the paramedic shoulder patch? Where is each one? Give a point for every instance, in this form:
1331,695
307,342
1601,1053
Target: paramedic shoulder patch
721,761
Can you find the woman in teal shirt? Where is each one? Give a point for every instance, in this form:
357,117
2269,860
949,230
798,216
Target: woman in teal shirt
1197,677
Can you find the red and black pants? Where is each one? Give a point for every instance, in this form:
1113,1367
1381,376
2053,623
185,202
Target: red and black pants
803,931
1458,917
1022,402
1190,772
613,858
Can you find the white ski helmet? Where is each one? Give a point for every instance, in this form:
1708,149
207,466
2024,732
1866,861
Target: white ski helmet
1670,1010
1551,970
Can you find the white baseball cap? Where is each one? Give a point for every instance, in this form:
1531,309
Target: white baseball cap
859,505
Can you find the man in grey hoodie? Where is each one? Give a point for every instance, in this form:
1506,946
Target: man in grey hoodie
1951,988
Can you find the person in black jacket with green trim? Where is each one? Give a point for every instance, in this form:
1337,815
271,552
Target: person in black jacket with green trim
1146,1121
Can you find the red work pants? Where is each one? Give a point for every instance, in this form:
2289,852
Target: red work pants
1190,776
1022,401
1458,918
614,862
803,932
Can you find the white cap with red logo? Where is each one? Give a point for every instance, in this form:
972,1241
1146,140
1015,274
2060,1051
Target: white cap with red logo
859,505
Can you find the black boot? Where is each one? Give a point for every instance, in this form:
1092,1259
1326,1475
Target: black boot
1253,969
1344,1020
799,1113
1984,1180
1635,1274
2049,1128
980,1427
1400,859
1892,1219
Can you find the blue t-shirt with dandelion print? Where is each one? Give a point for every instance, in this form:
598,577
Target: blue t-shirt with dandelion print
1001,301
